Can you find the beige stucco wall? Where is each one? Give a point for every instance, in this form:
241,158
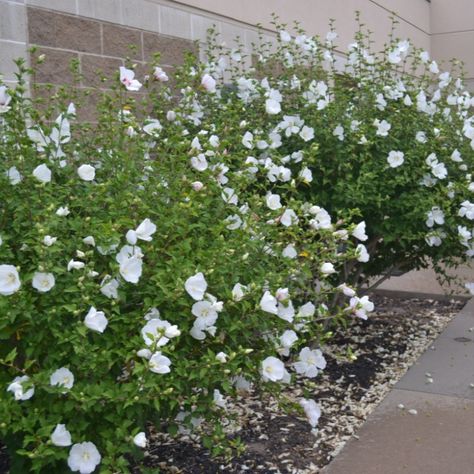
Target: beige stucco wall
452,32
314,15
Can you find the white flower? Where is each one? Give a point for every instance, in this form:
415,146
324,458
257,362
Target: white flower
16,387
159,332
395,158
307,133
312,411
456,156
83,457
288,218
197,185
285,36
86,172
238,292
322,219
470,287
289,251
287,339
222,357
140,440
13,175
5,99
89,240
199,162
286,311
466,210
247,140
234,222
127,78
145,230
42,173
109,287
43,282
96,320
434,68
48,240
144,353
63,211
435,216
272,107
9,280
273,201
309,361
273,369
268,303
131,269
75,265
439,170
159,364
219,399
424,56
421,137
327,268
361,306
339,132
359,232
160,75
362,254
307,310
383,127
196,286
306,175
62,377
229,196
61,436
348,291
209,83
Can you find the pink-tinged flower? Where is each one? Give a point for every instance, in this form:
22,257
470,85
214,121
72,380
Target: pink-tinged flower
127,78
160,75
209,83
84,457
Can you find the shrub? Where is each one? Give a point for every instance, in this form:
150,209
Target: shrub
386,135
143,281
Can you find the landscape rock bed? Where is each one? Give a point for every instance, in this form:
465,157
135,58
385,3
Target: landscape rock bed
385,346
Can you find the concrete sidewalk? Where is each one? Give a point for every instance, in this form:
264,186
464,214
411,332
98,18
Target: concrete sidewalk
439,439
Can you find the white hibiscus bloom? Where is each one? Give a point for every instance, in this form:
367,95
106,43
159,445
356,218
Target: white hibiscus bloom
43,282
83,457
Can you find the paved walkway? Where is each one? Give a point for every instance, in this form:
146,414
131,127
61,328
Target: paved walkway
439,438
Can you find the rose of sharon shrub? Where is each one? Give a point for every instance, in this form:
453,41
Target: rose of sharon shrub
146,273
386,135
